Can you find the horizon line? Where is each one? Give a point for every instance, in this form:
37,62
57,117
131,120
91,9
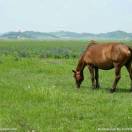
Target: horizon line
62,31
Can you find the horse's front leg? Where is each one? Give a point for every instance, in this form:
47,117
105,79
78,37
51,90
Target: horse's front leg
117,77
91,70
97,77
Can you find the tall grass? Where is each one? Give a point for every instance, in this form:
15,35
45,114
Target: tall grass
43,49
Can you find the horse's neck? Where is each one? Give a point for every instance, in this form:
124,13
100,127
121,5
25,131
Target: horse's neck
81,65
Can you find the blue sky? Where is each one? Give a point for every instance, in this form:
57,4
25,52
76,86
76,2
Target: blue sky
93,16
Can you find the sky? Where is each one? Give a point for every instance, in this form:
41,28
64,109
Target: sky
93,16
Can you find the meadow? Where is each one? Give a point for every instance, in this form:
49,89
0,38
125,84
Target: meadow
38,93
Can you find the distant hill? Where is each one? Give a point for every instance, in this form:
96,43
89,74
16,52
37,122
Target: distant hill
27,35
116,35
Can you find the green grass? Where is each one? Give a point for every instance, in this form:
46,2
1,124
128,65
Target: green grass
39,93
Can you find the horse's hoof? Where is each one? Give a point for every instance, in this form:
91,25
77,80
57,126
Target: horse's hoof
112,90
97,86
95,89
131,90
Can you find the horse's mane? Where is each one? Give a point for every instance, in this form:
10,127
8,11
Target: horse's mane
80,63
91,43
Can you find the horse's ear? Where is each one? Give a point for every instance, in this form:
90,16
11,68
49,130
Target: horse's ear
74,71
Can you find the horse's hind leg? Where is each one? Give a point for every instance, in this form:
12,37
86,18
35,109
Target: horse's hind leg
129,69
91,70
97,77
117,77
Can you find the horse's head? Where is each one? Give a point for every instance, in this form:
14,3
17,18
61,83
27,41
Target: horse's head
78,77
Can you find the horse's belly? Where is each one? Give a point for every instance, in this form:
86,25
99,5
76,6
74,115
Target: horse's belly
104,66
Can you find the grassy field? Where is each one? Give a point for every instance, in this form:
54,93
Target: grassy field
37,90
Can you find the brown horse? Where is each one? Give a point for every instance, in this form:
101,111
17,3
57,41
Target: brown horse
104,56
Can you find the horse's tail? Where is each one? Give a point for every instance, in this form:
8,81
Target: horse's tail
130,49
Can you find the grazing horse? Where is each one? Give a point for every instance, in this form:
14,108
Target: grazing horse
104,56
